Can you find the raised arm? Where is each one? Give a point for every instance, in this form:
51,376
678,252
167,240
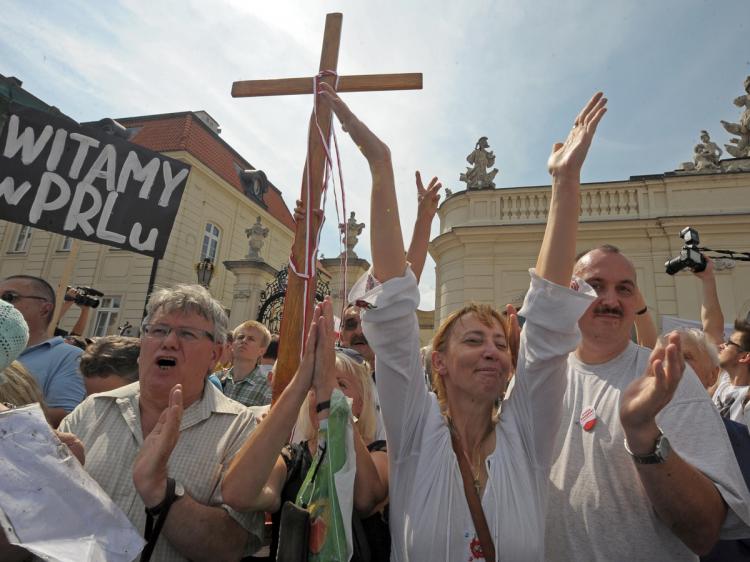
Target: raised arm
427,203
370,486
387,242
711,316
645,327
556,256
246,485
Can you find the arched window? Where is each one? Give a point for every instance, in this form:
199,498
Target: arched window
210,242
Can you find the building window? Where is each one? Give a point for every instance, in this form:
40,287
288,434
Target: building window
23,240
106,316
66,243
210,242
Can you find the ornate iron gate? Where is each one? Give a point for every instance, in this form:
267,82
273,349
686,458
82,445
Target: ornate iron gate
272,299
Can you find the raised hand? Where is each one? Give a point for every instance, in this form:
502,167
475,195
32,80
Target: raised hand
306,369
150,465
514,333
647,395
708,272
299,212
567,158
375,150
325,351
428,198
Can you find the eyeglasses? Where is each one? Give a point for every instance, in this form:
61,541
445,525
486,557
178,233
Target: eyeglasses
11,297
184,334
351,354
738,346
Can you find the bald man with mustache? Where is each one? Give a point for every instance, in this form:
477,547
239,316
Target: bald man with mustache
644,469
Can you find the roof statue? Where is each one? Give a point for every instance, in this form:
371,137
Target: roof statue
706,155
740,147
350,230
478,177
256,235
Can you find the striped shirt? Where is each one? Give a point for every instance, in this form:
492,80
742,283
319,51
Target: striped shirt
212,431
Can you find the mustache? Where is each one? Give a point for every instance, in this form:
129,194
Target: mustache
604,309
358,339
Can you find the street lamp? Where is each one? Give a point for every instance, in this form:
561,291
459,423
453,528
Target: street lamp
205,270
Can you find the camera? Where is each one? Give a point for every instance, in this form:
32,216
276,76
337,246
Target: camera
690,255
85,296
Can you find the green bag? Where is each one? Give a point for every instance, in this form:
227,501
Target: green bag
328,490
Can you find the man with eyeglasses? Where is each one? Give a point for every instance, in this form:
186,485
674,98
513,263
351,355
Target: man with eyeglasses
352,335
152,479
53,362
731,396
352,338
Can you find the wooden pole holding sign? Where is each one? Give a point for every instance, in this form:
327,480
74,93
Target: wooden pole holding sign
292,328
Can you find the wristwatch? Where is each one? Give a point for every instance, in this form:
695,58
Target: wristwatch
662,448
175,491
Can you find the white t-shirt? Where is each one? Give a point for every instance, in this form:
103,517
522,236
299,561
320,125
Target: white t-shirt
598,509
730,399
430,517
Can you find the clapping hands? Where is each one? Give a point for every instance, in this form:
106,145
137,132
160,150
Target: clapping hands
317,368
647,395
150,466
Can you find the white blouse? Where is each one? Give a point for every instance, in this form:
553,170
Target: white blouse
429,515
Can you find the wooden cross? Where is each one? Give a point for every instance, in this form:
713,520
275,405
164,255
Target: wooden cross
292,330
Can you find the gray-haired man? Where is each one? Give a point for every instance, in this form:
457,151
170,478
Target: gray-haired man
126,451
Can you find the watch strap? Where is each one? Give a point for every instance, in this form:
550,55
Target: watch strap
156,517
167,501
657,457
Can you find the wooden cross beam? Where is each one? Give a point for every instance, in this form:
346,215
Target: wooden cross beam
292,330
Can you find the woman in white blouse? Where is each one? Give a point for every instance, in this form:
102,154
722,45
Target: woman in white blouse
509,458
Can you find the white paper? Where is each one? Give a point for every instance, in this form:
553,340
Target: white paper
56,510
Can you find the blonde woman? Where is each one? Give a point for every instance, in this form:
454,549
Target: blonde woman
262,475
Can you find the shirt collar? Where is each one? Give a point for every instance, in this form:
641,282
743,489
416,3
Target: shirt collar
52,342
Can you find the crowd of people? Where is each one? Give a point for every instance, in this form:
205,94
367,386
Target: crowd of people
564,440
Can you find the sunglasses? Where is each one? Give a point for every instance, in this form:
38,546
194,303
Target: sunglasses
351,324
11,297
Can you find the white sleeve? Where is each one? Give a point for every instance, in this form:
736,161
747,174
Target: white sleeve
549,334
392,330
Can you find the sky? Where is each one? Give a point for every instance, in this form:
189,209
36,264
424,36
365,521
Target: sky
516,71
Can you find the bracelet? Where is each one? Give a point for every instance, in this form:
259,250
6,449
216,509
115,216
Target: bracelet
642,311
325,405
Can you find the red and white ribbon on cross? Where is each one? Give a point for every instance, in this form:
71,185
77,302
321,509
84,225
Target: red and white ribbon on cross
312,239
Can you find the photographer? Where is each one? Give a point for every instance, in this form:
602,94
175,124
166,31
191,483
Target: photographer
52,362
84,298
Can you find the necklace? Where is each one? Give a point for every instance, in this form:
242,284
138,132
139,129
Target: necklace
476,469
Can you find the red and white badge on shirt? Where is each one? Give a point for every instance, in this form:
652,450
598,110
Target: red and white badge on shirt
588,419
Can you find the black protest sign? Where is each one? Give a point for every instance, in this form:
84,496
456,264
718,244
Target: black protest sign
82,182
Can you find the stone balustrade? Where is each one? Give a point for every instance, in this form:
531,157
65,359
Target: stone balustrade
643,197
